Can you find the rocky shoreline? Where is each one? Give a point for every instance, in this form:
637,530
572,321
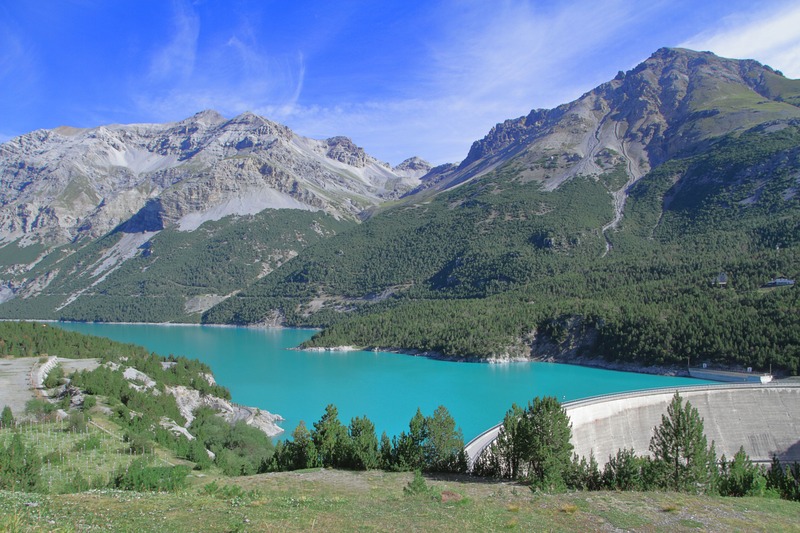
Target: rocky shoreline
620,366
568,359
187,399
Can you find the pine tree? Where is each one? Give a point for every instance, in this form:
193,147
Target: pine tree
683,458
301,451
740,477
508,445
409,451
7,418
20,466
545,436
330,438
363,448
387,453
444,444
623,471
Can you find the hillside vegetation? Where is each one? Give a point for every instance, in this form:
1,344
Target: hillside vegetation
497,266
172,277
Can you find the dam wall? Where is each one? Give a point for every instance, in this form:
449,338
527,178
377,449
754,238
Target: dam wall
765,419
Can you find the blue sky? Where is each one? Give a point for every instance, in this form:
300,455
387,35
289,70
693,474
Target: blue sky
400,78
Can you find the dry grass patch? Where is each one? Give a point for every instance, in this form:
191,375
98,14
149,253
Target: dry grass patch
450,496
330,500
569,508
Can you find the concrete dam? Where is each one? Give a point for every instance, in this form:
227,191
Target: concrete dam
765,419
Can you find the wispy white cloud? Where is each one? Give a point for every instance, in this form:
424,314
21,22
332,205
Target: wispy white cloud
229,73
177,58
489,62
772,37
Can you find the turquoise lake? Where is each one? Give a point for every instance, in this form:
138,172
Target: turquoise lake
260,370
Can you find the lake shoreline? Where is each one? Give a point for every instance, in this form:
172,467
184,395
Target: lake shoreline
254,363
568,359
590,362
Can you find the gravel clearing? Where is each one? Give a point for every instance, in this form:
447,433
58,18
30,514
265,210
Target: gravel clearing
16,383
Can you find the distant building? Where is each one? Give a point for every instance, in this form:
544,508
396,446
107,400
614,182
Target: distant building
779,282
721,280
730,376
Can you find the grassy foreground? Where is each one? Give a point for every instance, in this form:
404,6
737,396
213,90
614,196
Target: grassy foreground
330,500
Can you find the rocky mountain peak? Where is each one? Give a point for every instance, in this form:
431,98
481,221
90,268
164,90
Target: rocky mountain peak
413,167
250,122
207,117
68,131
508,133
675,101
342,149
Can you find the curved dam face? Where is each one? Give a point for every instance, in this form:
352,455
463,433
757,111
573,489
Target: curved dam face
765,419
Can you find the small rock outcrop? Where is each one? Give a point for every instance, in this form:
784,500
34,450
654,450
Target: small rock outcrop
190,399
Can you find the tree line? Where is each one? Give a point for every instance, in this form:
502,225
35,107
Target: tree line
431,444
533,447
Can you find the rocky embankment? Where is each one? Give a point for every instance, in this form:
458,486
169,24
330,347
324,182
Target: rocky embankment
189,400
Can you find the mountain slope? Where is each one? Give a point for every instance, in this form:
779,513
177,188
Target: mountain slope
595,228
101,195
652,300
674,102
166,276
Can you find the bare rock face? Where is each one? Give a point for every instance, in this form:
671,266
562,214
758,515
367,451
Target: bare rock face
65,184
343,150
189,400
413,167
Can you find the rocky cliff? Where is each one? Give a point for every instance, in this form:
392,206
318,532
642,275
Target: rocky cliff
64,184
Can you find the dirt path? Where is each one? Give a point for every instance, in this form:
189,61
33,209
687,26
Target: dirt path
15,383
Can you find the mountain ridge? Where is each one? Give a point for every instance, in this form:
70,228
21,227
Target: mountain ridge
662,103
66,183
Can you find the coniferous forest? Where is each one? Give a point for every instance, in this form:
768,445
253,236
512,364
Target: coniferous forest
485,269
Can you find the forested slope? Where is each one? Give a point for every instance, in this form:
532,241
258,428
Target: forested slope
500,265
171,277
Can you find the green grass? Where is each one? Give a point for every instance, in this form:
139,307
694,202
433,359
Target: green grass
96,453
335,500
13,254
330,500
